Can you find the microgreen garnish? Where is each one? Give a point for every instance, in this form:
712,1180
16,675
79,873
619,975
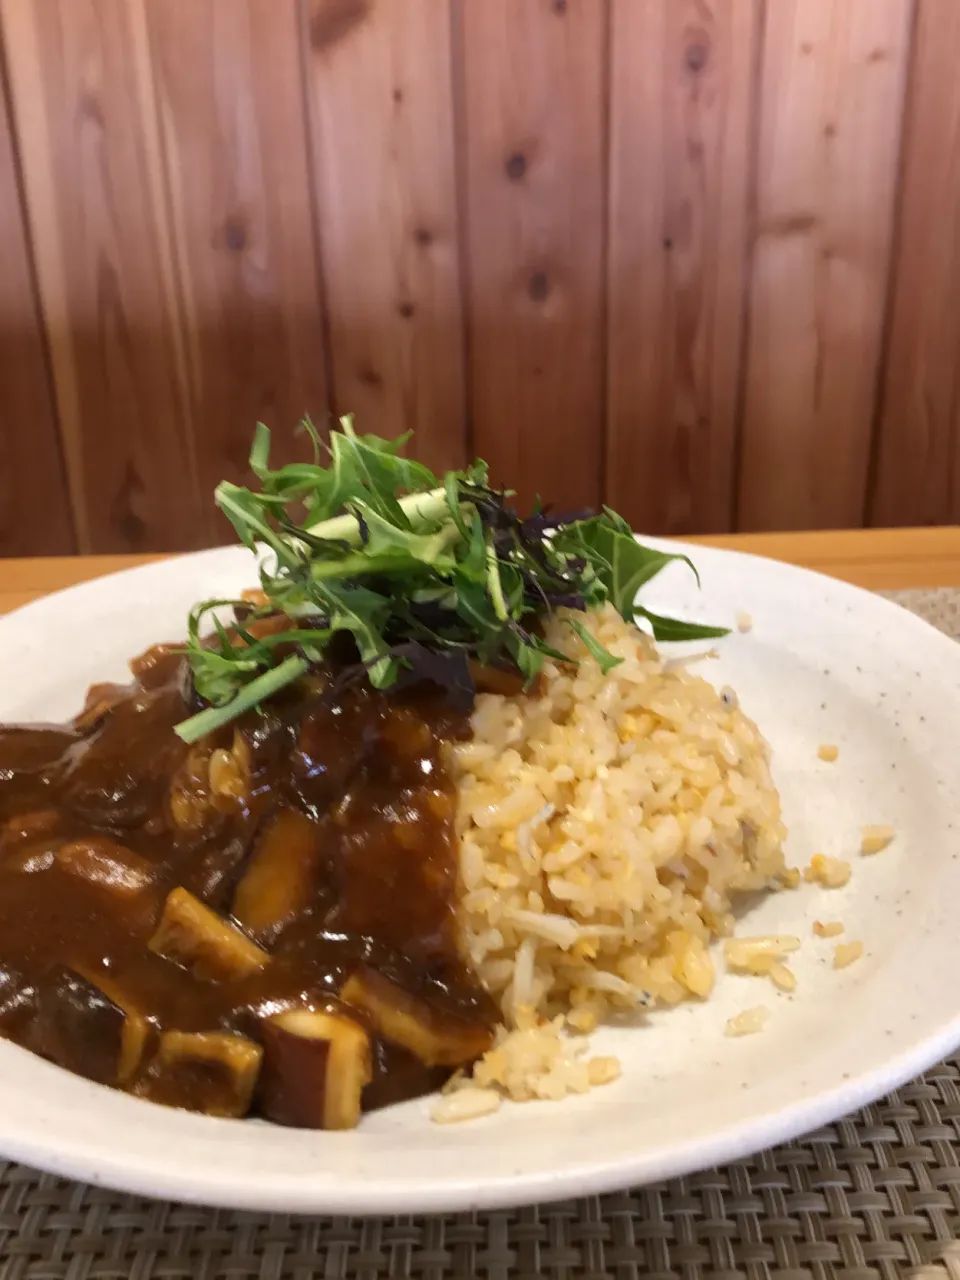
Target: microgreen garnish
424,574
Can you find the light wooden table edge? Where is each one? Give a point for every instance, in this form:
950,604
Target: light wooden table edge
879,559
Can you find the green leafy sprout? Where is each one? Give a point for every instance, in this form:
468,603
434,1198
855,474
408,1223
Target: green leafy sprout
419,571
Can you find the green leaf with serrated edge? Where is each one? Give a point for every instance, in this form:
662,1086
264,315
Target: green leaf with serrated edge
529,660
511,584
472,564
617,521
385,537
670,629
363,613
549,651
304,481
260,451
475,607
451,488
247,515
603,657
378,474
622,563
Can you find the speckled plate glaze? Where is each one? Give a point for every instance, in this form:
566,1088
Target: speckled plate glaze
823,663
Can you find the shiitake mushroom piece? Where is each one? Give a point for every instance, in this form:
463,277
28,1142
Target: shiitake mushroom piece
33,750
279,882
215,870
435,1035
193,936
107,865
81,1027
213,1072
261,743
315,1068
156,666
31,758
99,702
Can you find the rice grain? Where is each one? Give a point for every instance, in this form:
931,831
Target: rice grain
875,839
747,1023
846,953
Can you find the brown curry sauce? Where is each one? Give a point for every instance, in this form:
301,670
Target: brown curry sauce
320,830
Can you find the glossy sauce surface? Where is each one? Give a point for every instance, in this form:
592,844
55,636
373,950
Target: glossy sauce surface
322,828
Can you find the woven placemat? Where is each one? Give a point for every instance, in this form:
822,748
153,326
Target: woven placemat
876,1195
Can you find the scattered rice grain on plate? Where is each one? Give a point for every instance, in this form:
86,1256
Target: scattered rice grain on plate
876,838
467,1103
744,622
783,977
828,752
747,1023
845,953
603,1070
758,956
827,929
832,873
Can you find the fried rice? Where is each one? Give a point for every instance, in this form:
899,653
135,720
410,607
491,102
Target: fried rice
606,822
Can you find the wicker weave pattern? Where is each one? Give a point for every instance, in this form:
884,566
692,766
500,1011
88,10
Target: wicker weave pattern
873,1197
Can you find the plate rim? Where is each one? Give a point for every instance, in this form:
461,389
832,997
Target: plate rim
296,1193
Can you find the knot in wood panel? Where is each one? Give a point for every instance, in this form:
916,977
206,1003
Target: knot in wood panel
696,54
516,166
235,233
124,515
334,19
538,286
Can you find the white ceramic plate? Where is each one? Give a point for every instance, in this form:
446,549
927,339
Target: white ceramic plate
824,663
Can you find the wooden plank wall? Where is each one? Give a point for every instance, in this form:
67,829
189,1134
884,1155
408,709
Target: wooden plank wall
699,259
35,517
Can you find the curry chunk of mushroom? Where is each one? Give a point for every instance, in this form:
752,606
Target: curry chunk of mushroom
260,923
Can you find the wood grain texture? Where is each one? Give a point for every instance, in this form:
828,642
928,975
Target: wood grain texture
832,96
679,187
381,104
34,503
87,133
918,465
235,151
534,84
651,252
